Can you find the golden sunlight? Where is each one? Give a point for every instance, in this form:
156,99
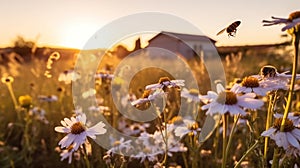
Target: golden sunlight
75,35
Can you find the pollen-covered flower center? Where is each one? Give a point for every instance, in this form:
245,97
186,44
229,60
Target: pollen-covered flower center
164,79
288,125
176,120
250,82
227,97
117,143
193,126
297,114
146,93
194,92
77,128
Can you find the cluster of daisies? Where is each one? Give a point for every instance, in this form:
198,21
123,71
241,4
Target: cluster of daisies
149,146
77,133
234,101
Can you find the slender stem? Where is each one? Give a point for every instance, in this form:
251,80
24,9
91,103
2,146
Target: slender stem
185,160
85,157
225,124
247,152
166,141
230,137
268,126
296,37
293,80
11,92
216,142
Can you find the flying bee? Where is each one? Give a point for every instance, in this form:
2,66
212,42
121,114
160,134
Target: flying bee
231,29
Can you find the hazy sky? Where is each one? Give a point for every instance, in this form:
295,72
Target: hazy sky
71,22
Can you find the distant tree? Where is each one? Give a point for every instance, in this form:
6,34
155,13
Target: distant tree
120,51
24,48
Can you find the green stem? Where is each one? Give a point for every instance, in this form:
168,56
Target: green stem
85,157
268,126
296,37
225,124
185,160
247,152
293,80
166,141
230,138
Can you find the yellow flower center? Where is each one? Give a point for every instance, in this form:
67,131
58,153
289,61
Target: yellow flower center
117,143
250,82
77,128
70,148
227,97
146,150
288,125
194,92
163,79
297,114
176,120
146,93
193,126
25,101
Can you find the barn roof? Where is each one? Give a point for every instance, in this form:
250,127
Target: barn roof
187,37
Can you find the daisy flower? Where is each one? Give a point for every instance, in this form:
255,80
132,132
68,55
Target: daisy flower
292,21
228,101
292,151
147,97
165,83
290,136
68,76
50,98
77,132
67,154
293,116
120,146
104,75
254,85
189,127
190,95
89,93
130,97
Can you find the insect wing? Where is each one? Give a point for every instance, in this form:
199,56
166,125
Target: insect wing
220,32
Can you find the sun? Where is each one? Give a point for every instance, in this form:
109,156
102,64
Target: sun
75,35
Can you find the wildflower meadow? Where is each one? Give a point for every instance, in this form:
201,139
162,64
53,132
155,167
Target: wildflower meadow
152,108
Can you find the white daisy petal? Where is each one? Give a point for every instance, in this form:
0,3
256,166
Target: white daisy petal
269,132
77,135
220,88
296,133
68,121
97,129
292,140
62,129
250,103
